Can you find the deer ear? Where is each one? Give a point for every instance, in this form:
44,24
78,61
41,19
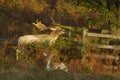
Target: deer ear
45,54
39,21
53,28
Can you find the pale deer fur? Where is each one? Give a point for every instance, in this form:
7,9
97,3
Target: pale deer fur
52,37
55,65
48,59
23,41
40,25
60,66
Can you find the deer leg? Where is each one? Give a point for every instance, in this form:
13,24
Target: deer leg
18,51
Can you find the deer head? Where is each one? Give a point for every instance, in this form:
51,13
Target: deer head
56,32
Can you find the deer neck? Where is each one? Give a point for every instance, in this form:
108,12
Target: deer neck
54,35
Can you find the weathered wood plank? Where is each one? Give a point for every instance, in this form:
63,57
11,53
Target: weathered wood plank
108,47
110,67
103,35
103,56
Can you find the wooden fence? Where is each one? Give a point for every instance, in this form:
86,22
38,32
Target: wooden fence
102,56
108,36
86,33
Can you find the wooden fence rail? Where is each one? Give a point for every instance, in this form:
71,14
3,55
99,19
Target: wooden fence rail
86,33
103,35
90,34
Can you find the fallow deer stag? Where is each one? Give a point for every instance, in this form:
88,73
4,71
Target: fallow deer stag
23,41
52,37
40,26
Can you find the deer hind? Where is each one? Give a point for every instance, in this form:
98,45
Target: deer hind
56,65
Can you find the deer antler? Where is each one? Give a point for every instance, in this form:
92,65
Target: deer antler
40,25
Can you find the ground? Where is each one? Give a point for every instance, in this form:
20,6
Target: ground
26,70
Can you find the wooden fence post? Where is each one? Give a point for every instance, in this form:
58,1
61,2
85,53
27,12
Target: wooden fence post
84,40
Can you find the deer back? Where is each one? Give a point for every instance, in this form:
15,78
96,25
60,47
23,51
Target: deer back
27,39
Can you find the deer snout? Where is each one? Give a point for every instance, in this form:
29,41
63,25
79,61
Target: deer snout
63,31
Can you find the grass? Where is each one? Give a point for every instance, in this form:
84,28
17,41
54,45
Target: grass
11,70
29,69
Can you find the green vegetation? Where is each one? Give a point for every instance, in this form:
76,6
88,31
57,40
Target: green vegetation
16,18
17,15
10,70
